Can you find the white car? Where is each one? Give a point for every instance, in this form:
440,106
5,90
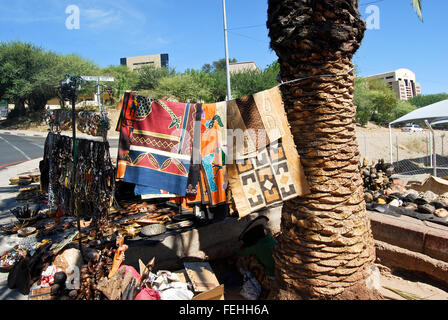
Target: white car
412,128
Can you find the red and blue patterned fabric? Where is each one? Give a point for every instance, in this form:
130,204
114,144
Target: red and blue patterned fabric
160,145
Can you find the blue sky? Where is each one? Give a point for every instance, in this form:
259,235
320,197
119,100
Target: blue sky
191,32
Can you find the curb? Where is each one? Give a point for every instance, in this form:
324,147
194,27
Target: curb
397,257
415,235
24,133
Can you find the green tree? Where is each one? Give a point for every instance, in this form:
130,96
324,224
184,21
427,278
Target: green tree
402,108
363,102
149,76
376,101
31,75
252,81
383,100
20,64
124,79
181,88
426,100
218,65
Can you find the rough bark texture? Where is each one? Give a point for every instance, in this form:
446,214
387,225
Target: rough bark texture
326,245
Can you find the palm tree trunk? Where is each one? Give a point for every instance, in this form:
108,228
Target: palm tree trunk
326,247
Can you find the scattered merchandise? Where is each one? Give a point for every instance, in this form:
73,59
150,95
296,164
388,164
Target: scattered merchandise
89,178
175,171
425,201
154,229
48,276
30,193
41,294
376,176
179,225
25,232
251,288
11,257
26,213
201,276
93,123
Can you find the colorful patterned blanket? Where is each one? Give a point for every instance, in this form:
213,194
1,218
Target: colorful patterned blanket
267,168
155,153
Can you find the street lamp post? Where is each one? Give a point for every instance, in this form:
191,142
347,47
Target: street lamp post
229,91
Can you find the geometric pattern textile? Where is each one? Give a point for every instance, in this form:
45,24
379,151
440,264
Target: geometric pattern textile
160,145
266,169
264,180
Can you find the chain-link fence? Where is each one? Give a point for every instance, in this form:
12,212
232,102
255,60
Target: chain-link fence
412,152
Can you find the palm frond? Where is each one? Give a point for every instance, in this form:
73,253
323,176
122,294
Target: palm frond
418,8
406,295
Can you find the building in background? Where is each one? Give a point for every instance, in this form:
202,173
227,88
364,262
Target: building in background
402,81
157,60
236,67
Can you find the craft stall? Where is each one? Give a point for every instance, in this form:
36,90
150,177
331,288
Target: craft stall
179,166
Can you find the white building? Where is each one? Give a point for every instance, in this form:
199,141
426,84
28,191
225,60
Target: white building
236,67
402,81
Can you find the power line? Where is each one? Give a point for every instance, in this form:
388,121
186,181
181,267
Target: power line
244,36
248,27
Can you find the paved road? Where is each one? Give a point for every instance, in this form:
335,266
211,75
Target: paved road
17,149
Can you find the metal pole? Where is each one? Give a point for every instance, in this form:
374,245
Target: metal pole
431,143
78,219
390,144
98,94
229,91
435,154
430,148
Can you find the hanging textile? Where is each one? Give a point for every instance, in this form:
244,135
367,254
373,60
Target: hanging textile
88,177
214,153
211,187
125,127
260,118
245,144
195,165
267,168
161,141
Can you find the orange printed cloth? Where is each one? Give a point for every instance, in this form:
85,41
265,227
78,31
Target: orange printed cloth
213,183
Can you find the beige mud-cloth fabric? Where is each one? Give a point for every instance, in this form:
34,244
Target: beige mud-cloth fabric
264,172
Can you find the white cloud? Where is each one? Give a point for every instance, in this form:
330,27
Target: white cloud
97,18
